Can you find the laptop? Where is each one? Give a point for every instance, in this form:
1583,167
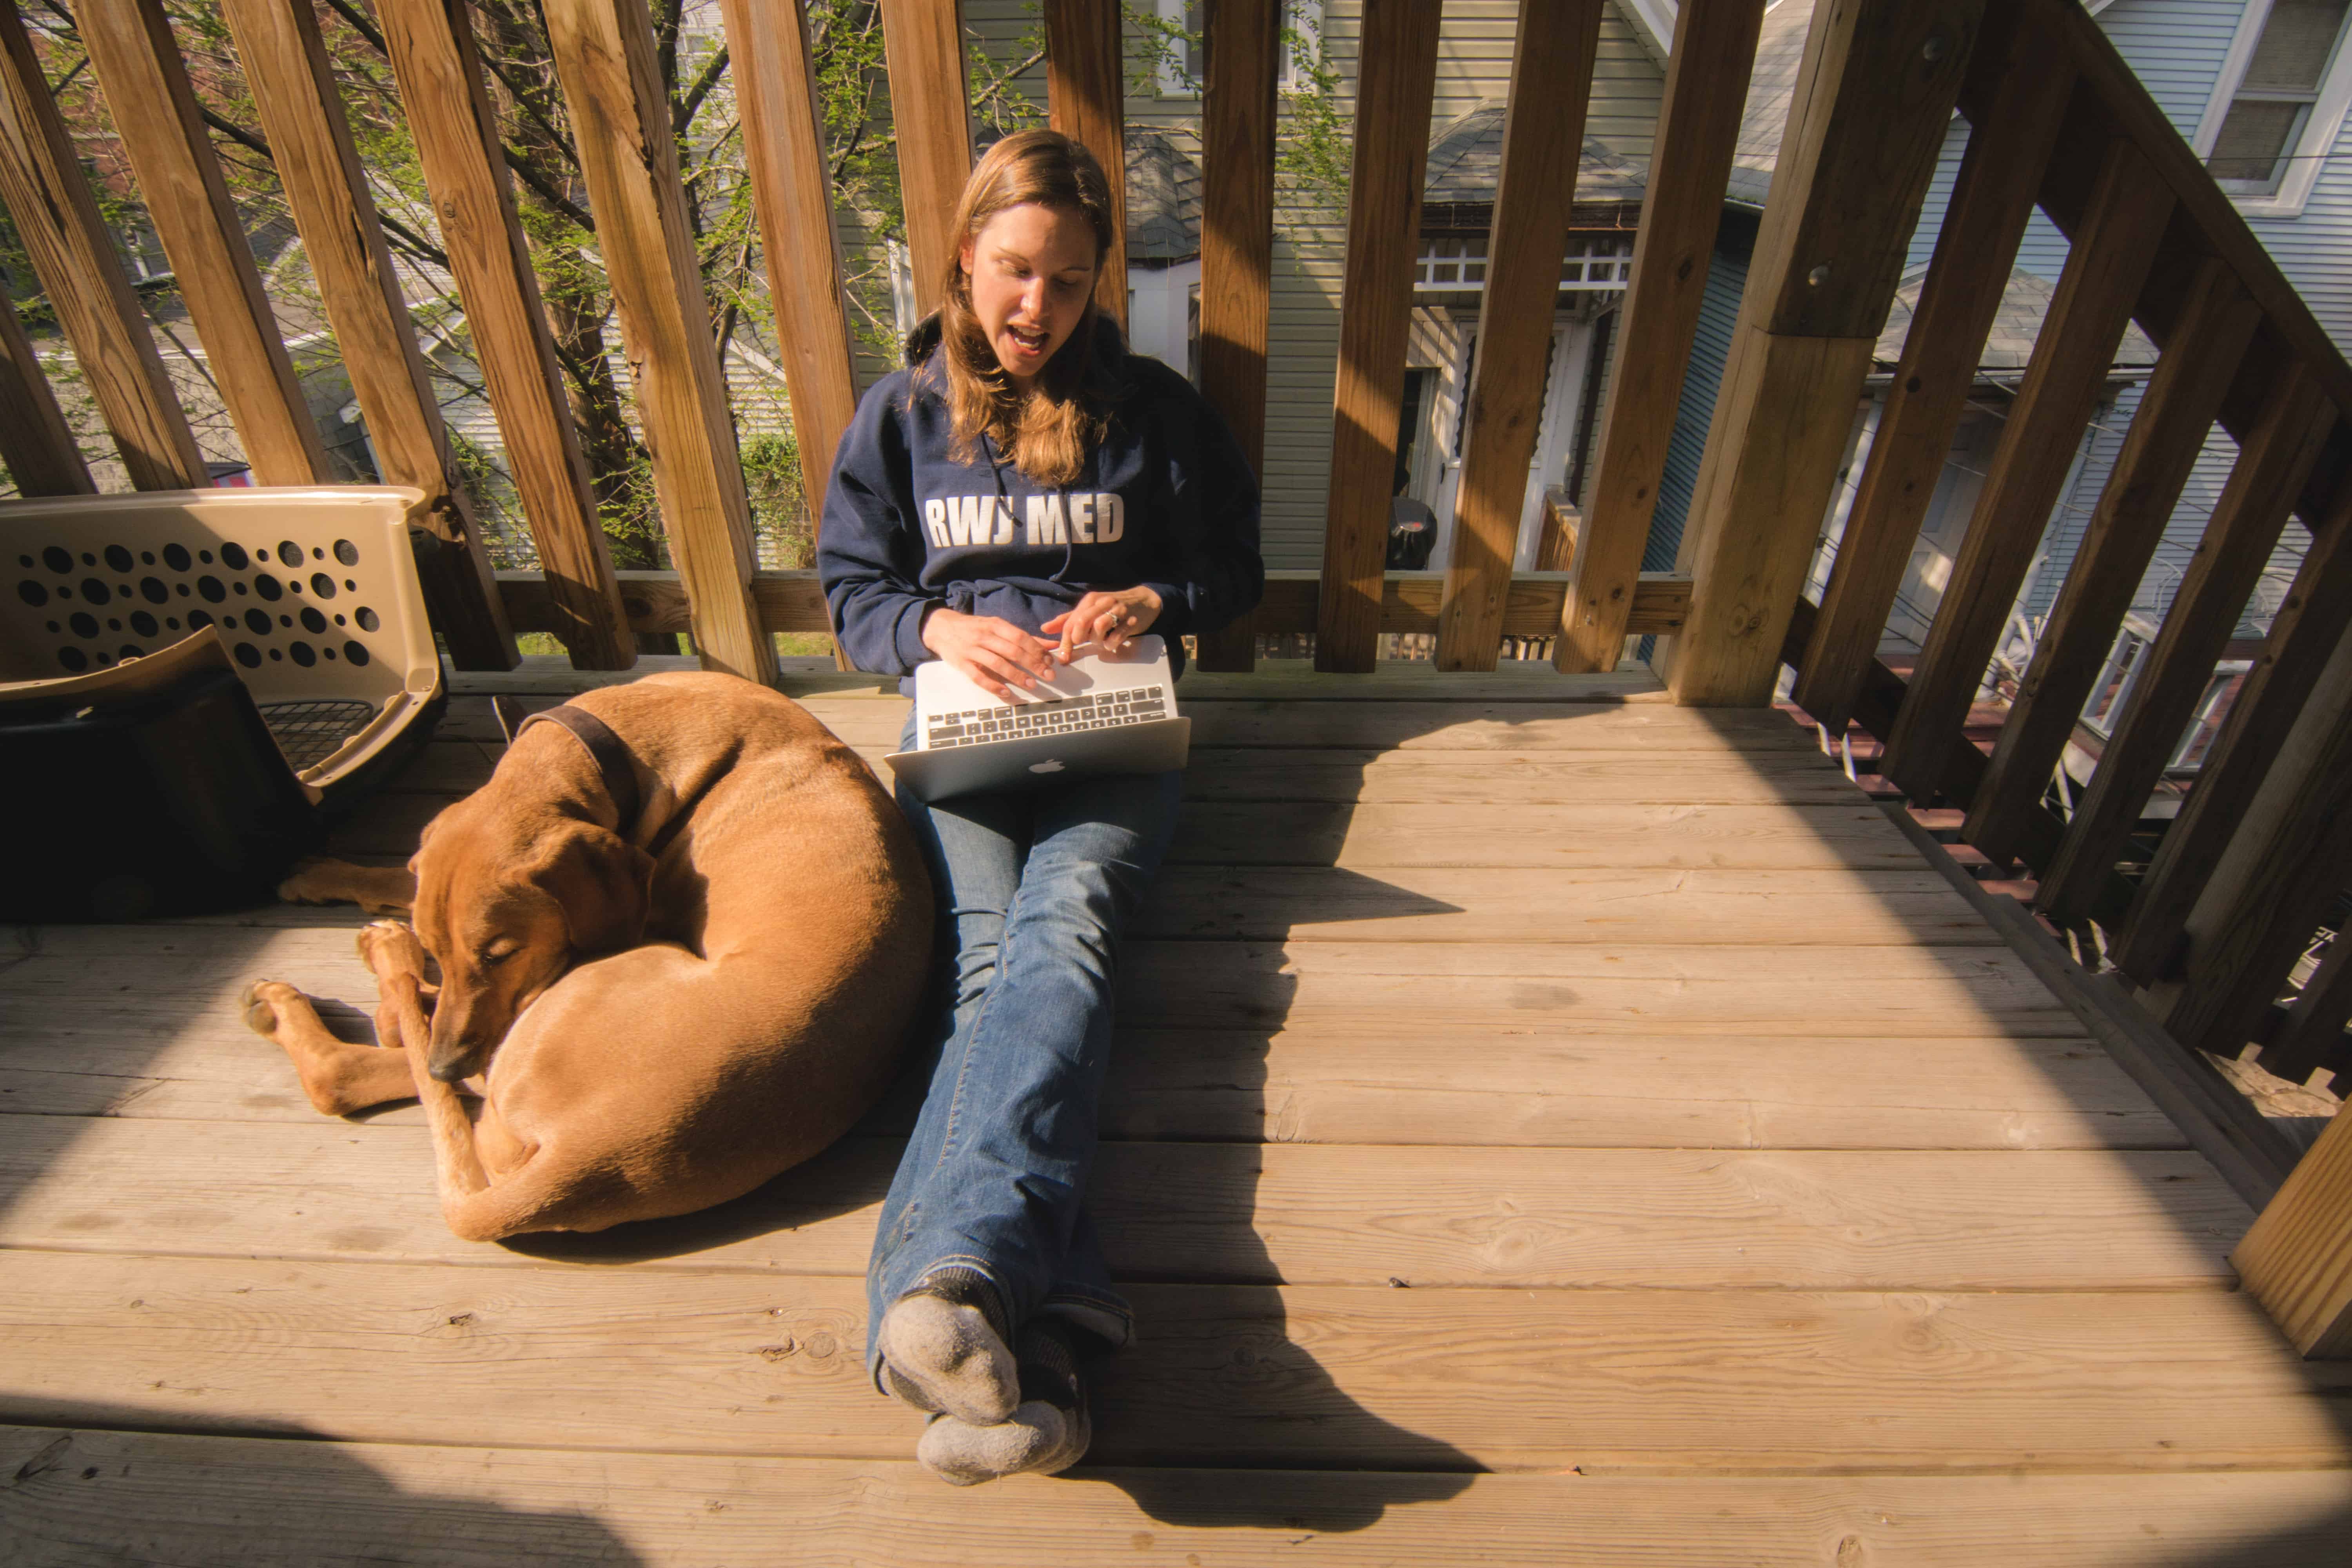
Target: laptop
1102,712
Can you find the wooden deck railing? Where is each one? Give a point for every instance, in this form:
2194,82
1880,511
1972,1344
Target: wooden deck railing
2057,122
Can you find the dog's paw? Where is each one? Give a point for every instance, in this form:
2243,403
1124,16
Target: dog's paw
260,1002
1040,1439
316,880
388,944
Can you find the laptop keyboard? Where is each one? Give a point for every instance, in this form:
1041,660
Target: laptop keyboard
1063,716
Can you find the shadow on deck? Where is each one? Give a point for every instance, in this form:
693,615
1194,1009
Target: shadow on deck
1543,1131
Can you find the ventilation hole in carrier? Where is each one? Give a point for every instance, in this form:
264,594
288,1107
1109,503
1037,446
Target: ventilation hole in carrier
268,587
199,620
96,591
248,656
322,584
153,590
73,658
144,624
133,650
257,623
347,552
84,623
118,558
356,652
312,621
56,560
32,593
289,552
177,557
301,654
234,557
210,588
368,619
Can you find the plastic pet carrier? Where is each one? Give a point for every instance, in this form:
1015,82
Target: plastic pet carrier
192,683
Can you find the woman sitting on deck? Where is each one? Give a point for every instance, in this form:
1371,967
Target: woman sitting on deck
988,1289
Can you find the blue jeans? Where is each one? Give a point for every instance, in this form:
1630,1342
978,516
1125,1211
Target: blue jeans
1034,888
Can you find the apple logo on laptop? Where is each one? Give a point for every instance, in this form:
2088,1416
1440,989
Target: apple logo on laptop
1048,766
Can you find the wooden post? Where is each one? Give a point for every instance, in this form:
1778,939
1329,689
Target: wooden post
1690,164
930,118
1237,117
2166,435
301,113
620,117
1086,100
2239,538
1865,124
162,132
1543,144
433,56
34,440
791,190
56,218
2287,864
2306,629
2298,1260
1397,74
2009,144
2108,262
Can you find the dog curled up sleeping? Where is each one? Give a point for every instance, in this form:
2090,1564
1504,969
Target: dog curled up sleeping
681,935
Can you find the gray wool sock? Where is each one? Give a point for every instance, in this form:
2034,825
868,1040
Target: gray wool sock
944,1351
1045,1434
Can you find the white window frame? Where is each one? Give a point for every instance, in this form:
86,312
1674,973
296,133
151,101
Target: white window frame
1305,15
2309,153
1172,72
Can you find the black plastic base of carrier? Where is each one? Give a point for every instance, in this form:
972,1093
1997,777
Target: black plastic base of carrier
174,802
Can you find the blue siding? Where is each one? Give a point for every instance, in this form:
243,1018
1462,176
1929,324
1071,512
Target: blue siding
1726,278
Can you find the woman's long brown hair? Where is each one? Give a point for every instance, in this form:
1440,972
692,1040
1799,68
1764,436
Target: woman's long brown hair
1048,433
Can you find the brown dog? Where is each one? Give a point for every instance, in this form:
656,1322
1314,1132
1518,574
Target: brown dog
664,1012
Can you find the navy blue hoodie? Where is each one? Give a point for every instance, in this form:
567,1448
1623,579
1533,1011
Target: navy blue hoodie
1166,499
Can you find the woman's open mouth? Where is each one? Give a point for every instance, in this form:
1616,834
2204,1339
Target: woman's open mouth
1027,339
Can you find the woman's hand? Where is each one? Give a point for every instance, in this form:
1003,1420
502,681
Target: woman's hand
1113,619
988,650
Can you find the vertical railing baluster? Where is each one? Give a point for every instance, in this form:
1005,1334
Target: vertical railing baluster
2008,145
1086,100
2161,449
1690,164
930,121
791,190
2272,464
621,120
58,220
301,111
163,133
1879,80
439,72
1237,116
1543,144
1396,75
35,442
2113,250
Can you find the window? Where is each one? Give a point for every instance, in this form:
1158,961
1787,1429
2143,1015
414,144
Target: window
2280,102
1595,264
1184,70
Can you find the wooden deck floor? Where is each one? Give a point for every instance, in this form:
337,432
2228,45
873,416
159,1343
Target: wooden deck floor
1542,1132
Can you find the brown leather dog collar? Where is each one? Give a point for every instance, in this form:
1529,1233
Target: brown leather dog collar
610,753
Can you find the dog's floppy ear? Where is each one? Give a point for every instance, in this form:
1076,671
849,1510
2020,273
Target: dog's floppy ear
602,884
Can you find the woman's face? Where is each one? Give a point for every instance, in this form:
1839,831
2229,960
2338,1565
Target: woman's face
1031,269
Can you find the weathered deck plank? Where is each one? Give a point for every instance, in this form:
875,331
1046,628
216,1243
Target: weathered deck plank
1677,1381
1298,1214
207,1499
